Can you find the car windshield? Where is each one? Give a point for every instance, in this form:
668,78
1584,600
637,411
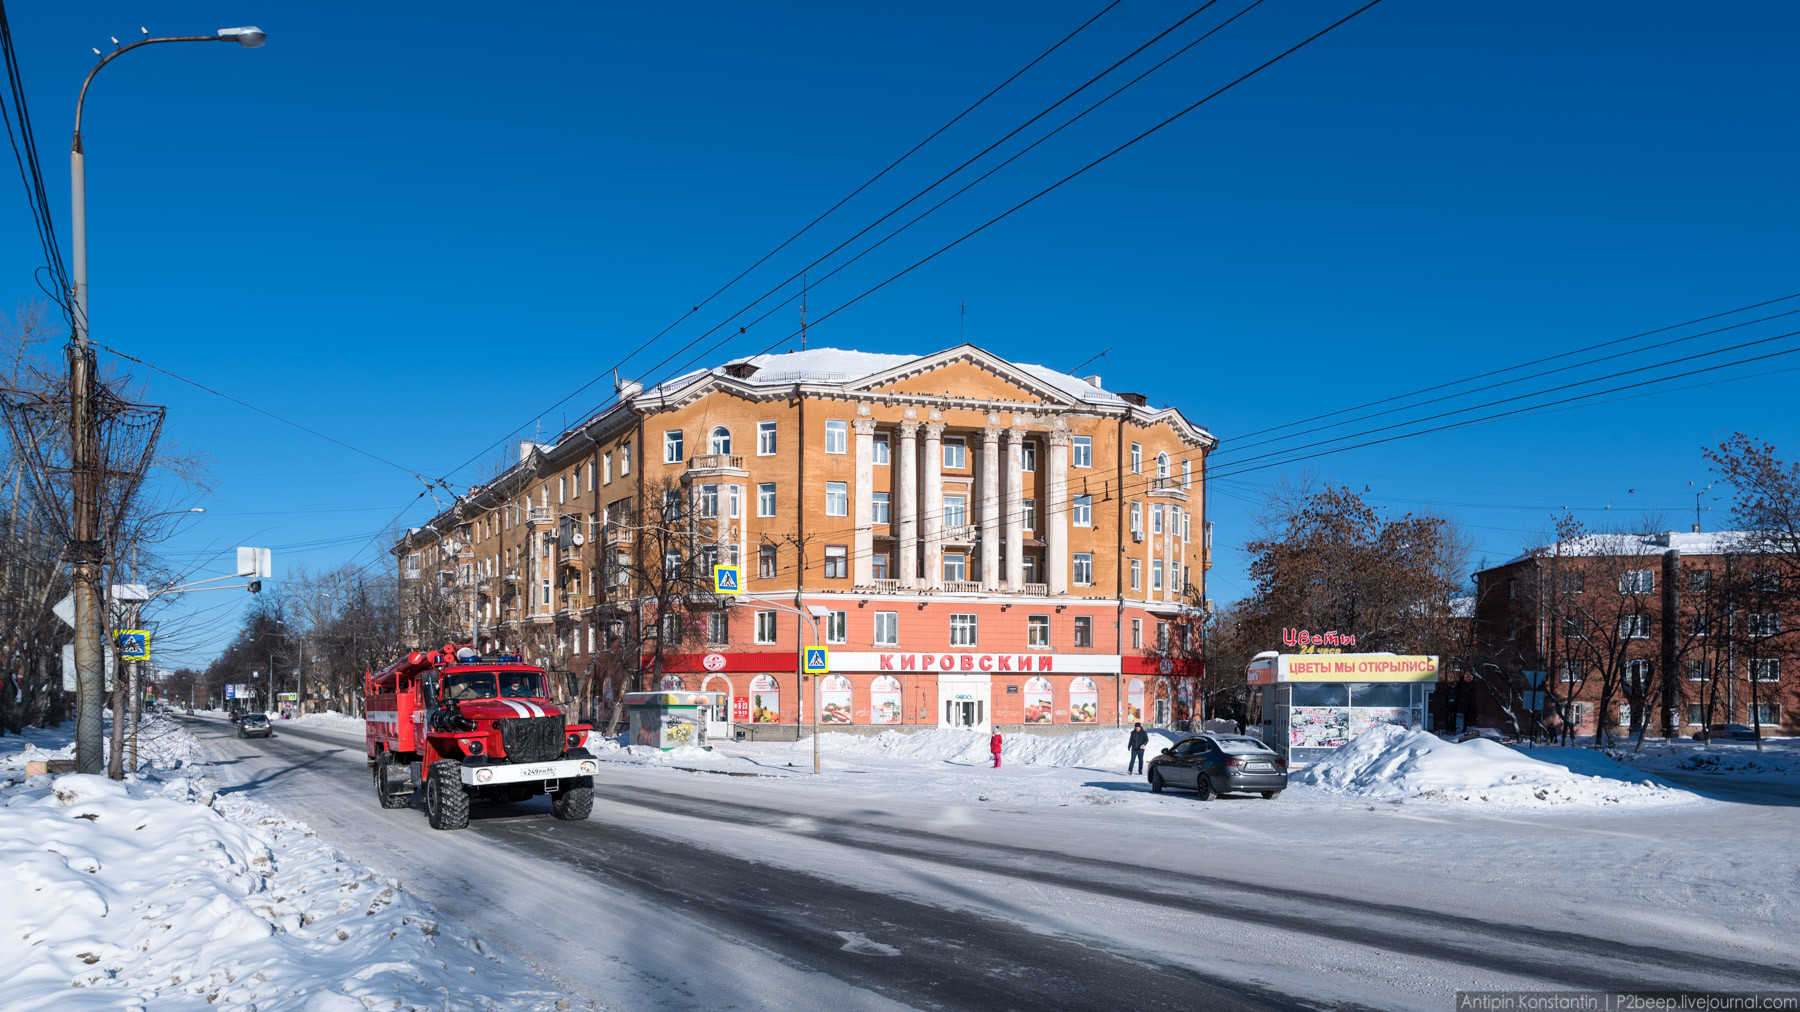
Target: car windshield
255,718
466,685
1241,746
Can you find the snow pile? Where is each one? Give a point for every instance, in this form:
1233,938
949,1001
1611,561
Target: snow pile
1389,762
329,720
157,890
1785,762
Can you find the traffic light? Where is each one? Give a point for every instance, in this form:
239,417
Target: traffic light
255,586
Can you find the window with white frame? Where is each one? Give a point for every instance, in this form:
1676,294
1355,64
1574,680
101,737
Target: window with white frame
624,458
1572,583
1571,626
1766,624
837,436
962,631
765,499
956,511
1028,455
887,628
1137,574
880,448
1696,671
1084,631
606,469
837,627
1156,575
765,627
1162,636
1765,713
1637,672
1162,465
1137,458
1634,627
837,499
837,562
1696,713
1028,514
765,439
1156,518
1765,669
1187,473
719,441
589,468
1137,517
765,562
1571,673
412,566
956,454
1084,569
708,501
1637,581
1699,624
672,447
562,488
1186,533
1037,632
1137,634
956,567
718,628
734,496
1083,513
879,507
1083,455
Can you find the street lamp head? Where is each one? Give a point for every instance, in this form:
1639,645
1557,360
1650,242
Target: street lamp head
249,36
817,610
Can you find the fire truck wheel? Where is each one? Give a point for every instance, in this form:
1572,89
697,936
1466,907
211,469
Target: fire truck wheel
572,804
446,803
401,800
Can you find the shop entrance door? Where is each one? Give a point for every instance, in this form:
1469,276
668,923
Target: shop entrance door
1162,713
963,701
965,713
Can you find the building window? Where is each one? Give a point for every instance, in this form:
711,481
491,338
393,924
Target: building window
718,628
1765,713
837,499
887,628
1137,518
837,627
1030,566
1162,636
765,499
1696,671
1156,575
1185,517
1187,473
956,454
1696,713
1084,631
878,507
880,448
1037,632
1028,514
546,585
1137,458
1084,569
1765,669
1571,626
956,567
606,469
878,565
709,501
956,512
1573,583
765,562
625,458
1768,624
765,439
1699,580
412,566
765,627
1638,581
1028,455
672,564
1634,627
962,631
562,489
1084,451
720,441
1637,672
837,562
1156,518
1699,624
1137,634
1512,588
1162,465
672,447
1137,574
1084,511
837,436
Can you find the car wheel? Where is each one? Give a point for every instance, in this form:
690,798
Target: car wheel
1156,781
1203,787
446,803
1271,795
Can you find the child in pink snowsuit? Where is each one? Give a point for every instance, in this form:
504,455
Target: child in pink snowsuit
994,745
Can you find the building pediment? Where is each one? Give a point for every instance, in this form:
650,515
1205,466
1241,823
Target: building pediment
965,373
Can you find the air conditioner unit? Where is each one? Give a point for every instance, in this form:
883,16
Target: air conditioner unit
1137,535
577,539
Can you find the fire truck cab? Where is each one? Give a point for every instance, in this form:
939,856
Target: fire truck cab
459,726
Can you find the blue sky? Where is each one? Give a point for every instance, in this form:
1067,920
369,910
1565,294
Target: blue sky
415,231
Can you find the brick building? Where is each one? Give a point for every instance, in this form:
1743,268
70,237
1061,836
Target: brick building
1677,629
991,544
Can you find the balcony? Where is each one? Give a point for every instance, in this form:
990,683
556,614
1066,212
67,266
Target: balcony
887,586
510,576
1037,589
570,555
715,465
617,536
962,534
539,516
962,586
1167,488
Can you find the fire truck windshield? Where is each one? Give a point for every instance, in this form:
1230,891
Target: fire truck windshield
467,685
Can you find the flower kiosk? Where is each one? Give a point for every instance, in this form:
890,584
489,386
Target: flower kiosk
1312,704
672,718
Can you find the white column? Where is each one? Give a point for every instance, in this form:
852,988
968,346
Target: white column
1011,521
991,506
906,546
1056,514
863,512
931,529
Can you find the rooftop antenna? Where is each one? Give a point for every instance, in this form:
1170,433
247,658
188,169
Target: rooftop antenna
803,311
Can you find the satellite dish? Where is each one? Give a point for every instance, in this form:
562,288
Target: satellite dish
576,539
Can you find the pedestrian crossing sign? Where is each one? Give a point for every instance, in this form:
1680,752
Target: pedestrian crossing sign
134,644
726,580
816,660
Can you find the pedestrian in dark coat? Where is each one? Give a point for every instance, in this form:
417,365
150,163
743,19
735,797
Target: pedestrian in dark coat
994,746
1136,743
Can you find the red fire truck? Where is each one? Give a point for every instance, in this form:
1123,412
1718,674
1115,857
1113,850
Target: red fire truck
459,726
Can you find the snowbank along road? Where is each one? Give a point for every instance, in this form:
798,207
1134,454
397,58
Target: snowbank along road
688,890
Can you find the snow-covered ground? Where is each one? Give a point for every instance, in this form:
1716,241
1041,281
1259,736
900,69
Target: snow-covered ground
162,891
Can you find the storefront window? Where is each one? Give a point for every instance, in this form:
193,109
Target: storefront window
671,683
1084,701
1134,701
1039,703
765,700
884,700
1320,694
834,700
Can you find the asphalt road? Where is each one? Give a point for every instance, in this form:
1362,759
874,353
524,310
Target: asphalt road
705,897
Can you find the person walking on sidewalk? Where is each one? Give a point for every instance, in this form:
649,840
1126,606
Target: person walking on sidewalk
1136,743
994,746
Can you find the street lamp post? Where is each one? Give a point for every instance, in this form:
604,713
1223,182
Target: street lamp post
813,613
86,552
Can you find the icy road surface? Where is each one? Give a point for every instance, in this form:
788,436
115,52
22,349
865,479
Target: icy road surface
697,890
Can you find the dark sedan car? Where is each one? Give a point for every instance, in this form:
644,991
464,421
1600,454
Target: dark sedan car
1214,764
1727,732
254,725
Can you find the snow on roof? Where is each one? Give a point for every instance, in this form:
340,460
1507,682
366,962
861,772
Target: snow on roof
1701,543
818,365
1462,606
1074,386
